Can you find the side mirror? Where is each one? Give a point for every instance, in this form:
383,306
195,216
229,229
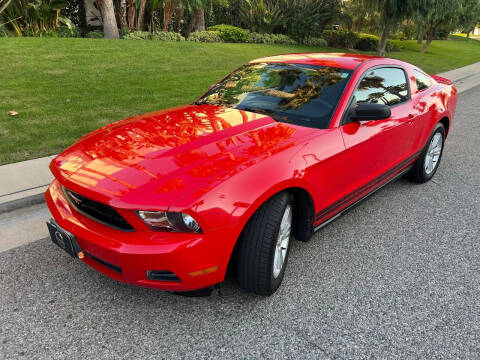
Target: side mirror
369,111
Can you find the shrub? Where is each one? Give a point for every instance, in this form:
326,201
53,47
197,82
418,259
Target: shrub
138,35
167,36
4,33
280,39
315,41
257,38
230,33
307,18
64,32
262,16
341,39
205,36
392,46
95,34
367,42
124,32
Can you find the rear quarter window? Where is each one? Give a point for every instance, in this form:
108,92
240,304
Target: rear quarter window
423,80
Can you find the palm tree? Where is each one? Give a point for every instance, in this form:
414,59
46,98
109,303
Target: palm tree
110,29
4,6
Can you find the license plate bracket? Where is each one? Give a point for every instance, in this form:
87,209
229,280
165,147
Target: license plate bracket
63,239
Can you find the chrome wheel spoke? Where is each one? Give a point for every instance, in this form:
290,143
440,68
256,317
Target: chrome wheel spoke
433,153
283,240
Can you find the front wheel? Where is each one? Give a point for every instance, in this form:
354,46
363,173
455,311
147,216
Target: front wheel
262,254
427,164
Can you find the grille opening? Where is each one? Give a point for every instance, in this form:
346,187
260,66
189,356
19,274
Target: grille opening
162,275
98,211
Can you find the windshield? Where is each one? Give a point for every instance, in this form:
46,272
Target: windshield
304,95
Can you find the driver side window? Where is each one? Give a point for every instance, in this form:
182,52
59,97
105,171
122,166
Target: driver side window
387,86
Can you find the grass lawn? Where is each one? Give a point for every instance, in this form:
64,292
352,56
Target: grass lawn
64,88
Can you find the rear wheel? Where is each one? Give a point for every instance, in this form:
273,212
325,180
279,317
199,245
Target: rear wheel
262,254
427,164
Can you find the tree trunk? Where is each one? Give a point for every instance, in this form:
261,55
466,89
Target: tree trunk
200,23
110,29
131,14
192,24
180,15
420,37
123,14
170,7
141,15
382,44
430,34
469,32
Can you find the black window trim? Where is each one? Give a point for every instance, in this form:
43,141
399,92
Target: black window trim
352,96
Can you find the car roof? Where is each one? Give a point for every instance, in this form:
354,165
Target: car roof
338,60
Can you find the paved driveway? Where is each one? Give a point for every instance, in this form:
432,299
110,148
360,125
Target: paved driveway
399,276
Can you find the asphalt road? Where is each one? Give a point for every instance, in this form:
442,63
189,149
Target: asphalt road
397,277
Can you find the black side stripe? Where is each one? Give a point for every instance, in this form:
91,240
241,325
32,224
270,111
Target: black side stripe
365,188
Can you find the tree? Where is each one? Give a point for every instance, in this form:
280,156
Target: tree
469,16
123,14
436,14
391,13
110,28
169,8
4,5
141,14
197,8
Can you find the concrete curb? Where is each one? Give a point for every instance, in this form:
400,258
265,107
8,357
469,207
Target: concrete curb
22,202
465,79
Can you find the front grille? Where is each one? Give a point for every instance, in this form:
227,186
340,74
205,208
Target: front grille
97,211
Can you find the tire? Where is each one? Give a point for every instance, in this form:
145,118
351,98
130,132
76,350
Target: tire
256,268
420,172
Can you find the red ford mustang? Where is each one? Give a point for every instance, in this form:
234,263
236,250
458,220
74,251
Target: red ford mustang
277,149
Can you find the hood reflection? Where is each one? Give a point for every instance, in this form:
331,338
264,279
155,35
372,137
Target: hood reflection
170,150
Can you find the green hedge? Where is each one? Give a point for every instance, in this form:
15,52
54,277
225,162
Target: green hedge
352,40
167,36
369,42
95,34
205,36
257,38
315,41
230,33
341,39
145,35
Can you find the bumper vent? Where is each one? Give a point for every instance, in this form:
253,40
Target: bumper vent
162,275
104,263
97,211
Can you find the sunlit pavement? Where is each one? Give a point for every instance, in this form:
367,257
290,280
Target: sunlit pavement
399,276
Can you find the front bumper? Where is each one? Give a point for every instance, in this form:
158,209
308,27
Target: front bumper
128,256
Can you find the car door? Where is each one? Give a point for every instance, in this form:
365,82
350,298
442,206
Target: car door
375,149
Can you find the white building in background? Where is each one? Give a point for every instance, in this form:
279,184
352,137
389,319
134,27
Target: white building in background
92,14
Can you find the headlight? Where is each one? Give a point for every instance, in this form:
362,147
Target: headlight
169,221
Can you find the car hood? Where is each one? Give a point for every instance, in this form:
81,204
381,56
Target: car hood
149,161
